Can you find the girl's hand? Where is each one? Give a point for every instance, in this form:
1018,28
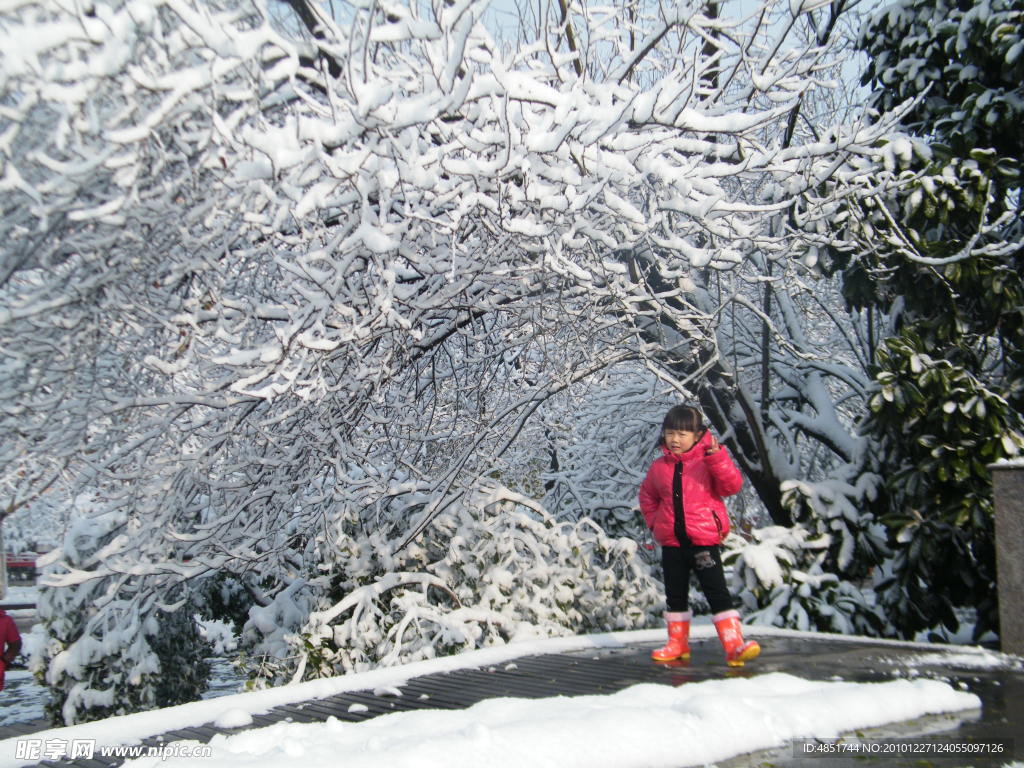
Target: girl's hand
714,448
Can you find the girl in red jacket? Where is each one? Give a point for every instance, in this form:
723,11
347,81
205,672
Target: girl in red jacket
681,500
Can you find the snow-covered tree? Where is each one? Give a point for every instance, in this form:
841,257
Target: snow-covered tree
268,271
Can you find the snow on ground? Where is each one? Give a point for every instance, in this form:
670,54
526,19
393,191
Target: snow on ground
17,593
979,658
646,725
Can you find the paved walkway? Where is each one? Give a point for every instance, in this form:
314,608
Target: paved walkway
611,669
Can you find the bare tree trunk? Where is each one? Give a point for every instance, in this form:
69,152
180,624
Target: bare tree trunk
729,409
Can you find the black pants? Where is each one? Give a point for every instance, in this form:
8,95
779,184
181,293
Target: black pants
706,562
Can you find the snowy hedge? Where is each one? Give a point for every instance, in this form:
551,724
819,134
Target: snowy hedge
492,570
780,579
113,650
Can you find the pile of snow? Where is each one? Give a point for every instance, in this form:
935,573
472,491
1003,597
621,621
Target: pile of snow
979,658
644,725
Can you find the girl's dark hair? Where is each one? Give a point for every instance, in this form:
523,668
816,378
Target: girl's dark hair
681,417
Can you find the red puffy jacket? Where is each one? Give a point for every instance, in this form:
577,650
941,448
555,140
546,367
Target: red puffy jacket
10,643
706,479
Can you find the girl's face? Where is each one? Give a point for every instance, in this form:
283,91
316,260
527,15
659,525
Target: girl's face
680,440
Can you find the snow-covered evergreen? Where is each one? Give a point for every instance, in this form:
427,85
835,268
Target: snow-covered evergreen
491,570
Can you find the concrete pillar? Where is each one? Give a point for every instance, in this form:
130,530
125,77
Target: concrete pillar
1008,494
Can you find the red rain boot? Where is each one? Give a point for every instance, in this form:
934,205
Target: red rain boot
736,650
677,646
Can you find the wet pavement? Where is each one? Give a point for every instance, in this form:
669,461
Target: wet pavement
997,728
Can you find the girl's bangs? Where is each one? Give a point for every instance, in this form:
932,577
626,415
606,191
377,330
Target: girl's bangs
682,418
